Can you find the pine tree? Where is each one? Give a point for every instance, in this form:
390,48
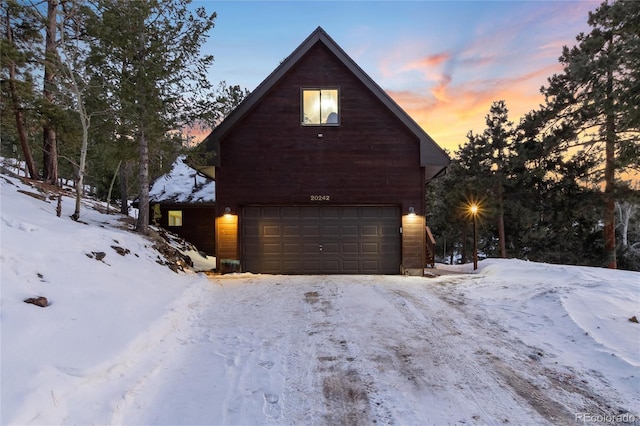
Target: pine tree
597,96
227,99
485,161
148,55
446,203
18,50
498,134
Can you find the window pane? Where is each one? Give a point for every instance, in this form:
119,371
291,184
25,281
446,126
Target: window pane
311,106
329,106
175,217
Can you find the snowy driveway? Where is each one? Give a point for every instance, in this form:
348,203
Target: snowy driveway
351,350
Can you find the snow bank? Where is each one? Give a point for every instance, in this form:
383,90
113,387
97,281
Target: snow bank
579,316
97,307
599,301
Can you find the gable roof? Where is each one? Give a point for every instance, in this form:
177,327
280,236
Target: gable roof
432,157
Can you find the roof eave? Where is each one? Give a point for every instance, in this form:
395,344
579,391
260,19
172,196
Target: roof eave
430,153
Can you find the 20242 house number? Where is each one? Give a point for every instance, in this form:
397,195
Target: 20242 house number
320,197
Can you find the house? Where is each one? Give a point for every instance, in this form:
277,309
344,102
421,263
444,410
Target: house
319,171
183,202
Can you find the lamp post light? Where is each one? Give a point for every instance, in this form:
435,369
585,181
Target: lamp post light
473,209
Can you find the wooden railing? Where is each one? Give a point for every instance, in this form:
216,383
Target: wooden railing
431,249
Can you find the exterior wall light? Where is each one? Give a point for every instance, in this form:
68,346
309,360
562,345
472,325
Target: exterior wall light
412,211
227,211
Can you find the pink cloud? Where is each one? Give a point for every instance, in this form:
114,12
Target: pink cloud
449,90
429,61
441,90
448,110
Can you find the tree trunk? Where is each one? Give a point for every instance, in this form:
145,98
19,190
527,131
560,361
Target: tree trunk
113,180
50,150
22,133
609,174
625,211
464,243
609,209
124,197
142,225
85,121
501,236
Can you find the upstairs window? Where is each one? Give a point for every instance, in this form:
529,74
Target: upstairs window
320,107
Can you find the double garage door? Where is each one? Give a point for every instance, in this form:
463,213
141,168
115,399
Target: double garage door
321,239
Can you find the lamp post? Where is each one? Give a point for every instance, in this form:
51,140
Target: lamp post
473,209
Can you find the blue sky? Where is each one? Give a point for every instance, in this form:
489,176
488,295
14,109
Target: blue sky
444,62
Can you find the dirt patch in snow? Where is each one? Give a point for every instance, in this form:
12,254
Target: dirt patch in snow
537,398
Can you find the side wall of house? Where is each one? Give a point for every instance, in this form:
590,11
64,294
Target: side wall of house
198,224
413,244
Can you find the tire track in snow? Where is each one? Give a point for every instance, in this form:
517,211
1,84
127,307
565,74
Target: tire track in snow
444,333
320,350
346,400
346,370
553,391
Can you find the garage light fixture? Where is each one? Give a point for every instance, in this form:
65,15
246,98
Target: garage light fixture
412,211
227,211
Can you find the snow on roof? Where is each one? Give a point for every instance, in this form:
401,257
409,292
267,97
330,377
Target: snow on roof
183,185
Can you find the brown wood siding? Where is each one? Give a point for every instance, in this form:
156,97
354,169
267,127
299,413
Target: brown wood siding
413,242
270,158
198,224
227,238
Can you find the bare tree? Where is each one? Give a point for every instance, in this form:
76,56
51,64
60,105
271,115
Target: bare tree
70,59
626,210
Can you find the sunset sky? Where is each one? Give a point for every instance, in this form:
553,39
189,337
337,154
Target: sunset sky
443,62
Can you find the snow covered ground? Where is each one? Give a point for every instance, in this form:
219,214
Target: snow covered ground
127,341
183,185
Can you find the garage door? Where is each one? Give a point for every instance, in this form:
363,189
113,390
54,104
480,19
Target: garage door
321,239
